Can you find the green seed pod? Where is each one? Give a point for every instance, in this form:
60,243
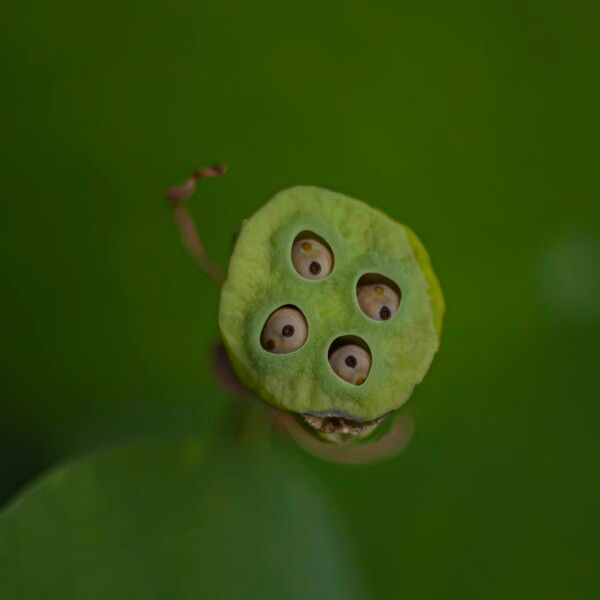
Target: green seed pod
330,309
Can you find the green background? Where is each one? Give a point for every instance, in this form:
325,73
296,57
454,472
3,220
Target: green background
475,123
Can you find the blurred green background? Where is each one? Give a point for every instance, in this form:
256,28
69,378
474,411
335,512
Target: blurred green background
475,123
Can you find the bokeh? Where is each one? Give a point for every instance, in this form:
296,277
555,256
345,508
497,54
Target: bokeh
475,123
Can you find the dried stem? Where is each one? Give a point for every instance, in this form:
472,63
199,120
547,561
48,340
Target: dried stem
176,197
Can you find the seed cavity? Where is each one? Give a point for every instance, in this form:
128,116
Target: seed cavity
350,359
378,297
285,330
312,256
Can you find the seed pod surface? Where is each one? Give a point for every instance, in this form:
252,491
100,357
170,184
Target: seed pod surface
353,274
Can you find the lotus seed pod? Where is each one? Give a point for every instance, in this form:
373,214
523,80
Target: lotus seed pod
330,309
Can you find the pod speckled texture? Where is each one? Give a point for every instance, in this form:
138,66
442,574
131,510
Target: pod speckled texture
262,279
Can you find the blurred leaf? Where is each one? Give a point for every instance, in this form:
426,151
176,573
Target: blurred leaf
174,520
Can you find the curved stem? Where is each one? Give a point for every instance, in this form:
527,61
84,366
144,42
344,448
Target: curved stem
176,197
